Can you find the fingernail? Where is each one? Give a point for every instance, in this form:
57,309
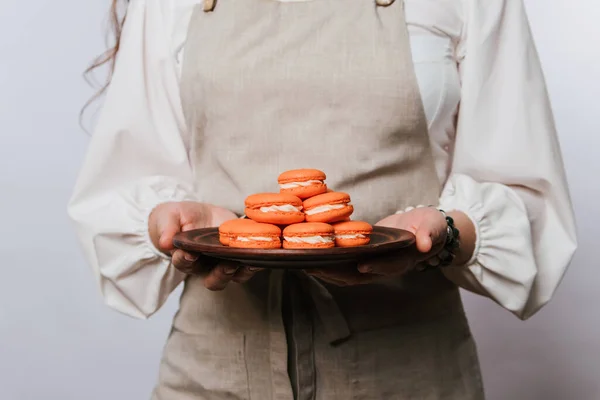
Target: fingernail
365,269
190,257
434,261
253,269
229,270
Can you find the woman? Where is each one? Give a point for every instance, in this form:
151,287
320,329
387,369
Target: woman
402,103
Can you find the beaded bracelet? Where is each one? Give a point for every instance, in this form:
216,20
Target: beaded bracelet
452,244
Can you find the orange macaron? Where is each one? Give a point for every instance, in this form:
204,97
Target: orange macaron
328,207
352,233
228,229
303,183
274,208
255,236
309,235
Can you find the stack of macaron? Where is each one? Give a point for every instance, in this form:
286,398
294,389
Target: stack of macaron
305,214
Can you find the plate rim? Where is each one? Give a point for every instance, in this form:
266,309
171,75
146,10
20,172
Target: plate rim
181,241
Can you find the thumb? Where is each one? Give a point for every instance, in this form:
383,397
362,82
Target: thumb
168,228
424,241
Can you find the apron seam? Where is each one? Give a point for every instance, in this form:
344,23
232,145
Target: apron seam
245,344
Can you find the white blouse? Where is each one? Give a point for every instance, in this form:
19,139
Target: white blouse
499,159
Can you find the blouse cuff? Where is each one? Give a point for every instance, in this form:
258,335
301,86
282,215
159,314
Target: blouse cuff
476,215
502,264
461,194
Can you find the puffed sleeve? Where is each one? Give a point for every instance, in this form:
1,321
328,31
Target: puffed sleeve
137,158
507,173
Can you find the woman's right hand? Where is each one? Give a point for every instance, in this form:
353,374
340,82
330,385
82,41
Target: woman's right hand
168,219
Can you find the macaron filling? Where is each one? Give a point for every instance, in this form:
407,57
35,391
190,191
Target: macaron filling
310,239
256,239
293,185
351,236
325,208
281,208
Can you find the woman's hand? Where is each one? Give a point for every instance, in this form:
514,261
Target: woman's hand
430,229
168,219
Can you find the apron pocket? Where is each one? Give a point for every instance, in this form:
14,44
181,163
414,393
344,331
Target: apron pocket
203,366
428,361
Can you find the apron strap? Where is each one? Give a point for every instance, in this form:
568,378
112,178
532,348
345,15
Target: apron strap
326,307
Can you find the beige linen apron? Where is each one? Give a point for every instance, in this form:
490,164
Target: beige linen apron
269,86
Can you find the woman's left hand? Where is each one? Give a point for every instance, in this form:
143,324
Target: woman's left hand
427,224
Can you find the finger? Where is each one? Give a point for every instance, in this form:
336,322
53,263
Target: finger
244,274
184,261
193,264
220,276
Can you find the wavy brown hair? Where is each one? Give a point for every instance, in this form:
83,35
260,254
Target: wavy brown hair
108,57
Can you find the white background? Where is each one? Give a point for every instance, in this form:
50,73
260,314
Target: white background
59,342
